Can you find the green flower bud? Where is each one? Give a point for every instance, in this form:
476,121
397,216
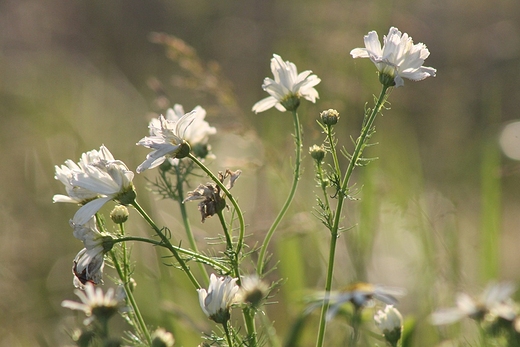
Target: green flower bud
329,117
119,214
317,152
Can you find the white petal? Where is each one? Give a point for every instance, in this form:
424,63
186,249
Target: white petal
264,104
88,210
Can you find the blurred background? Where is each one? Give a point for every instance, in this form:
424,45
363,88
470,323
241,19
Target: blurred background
438,212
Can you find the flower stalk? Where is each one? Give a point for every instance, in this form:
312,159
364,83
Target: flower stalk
296,177
361,143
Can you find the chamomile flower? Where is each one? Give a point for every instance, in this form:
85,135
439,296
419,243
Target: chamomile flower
390,322
492,300
167,139
287,87
217,300
398,58
94,303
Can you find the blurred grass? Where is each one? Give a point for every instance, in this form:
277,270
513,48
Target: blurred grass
74,76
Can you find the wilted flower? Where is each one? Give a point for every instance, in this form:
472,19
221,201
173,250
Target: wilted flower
215,303
89,262
162,338
95,304
287,87
399,58
213,199
390,323
252,290
491,300
361,294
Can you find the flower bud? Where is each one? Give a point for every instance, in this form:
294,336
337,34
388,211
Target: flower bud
317,152
329,117
119,214
162,338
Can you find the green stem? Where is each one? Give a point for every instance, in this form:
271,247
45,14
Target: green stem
249,317
290,197
167,244
240,215
192,254
229,247
130,296
228,336
186,222
358,150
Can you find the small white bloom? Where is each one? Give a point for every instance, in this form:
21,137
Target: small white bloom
389,322
162,338
94,303
287,87
398,58
361,294
491,300
168,137
108,178
252,290
215,302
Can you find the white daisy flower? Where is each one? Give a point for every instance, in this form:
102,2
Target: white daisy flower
390,322
287,87
493,298
94,303
167,138
216,301
398,58
163,338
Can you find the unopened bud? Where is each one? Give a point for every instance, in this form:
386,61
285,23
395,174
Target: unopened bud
317,152
119,214
329,117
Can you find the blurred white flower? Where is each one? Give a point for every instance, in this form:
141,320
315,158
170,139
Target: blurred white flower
398,58
94,303
162,338
361,294
493,298
287,87
389,322
215,302
252,290
168,137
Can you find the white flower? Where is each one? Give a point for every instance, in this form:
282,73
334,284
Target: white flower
108,179
94,303
215,303
252,290
493,298
65,175
361,294
162,338
168,137
89,262
399,58
389,322
287,87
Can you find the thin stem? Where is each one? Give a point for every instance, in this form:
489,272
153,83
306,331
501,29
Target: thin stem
186,222
229,247
167,244
192,254
240,215
358,150
298,142
228,336
130,296
249,317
